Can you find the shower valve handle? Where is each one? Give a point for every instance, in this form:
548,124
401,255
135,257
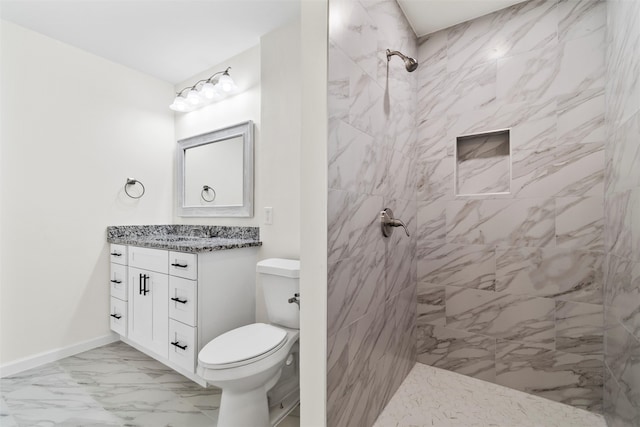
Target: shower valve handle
387,222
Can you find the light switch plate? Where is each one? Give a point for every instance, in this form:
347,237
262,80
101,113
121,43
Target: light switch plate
268,215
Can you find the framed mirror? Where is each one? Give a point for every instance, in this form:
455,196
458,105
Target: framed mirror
215,173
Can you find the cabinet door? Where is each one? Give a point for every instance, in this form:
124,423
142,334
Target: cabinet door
149,310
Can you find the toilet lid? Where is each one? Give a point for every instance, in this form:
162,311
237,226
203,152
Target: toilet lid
242,343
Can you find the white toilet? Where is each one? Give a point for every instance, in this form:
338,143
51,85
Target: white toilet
247,363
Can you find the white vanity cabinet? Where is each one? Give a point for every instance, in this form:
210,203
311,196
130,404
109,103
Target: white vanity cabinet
177,302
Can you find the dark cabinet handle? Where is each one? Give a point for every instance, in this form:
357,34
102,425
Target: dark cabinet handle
117,316
142,289
116,254
116,281
176,299
175,264
177,344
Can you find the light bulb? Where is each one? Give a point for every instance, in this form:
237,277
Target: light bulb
226,83
208,90
193,98
179,104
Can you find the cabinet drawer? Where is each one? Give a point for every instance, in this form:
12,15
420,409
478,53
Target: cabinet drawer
149,259
183,265
182,300
118,281
118,316
182,345
118,254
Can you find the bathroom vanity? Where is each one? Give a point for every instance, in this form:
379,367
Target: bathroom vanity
176,287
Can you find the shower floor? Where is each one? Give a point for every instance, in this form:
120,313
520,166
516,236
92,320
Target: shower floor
434,397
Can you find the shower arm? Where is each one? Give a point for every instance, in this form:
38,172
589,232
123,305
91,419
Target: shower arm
409,63
390,53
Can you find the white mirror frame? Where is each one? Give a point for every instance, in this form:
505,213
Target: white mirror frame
245,130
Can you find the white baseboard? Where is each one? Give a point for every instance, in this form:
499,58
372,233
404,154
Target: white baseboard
40,359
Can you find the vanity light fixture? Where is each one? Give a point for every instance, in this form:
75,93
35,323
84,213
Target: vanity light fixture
204,92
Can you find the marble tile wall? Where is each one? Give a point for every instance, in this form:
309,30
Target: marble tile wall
511,285
372,165
622,216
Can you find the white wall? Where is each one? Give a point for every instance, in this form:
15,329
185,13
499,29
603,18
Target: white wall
313,190
280,142
74,127
268,77
279,148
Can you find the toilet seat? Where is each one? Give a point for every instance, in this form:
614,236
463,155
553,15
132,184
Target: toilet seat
242,346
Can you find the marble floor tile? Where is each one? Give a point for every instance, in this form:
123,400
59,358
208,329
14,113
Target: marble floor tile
434,397
6,419
113,385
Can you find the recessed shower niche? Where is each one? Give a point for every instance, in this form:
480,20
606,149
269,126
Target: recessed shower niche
483,163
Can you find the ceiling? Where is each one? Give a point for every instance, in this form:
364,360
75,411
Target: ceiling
175,39
171,40
429,16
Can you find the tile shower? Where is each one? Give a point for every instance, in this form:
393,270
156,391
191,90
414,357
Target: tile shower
622,216
510,281
512,254
371,148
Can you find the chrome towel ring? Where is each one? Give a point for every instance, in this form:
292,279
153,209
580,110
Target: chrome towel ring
131,181
205,191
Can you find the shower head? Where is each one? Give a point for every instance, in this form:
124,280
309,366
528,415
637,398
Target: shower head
409,63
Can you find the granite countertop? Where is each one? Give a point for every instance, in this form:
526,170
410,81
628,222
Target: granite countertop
185,238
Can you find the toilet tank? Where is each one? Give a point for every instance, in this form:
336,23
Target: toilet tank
280,280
